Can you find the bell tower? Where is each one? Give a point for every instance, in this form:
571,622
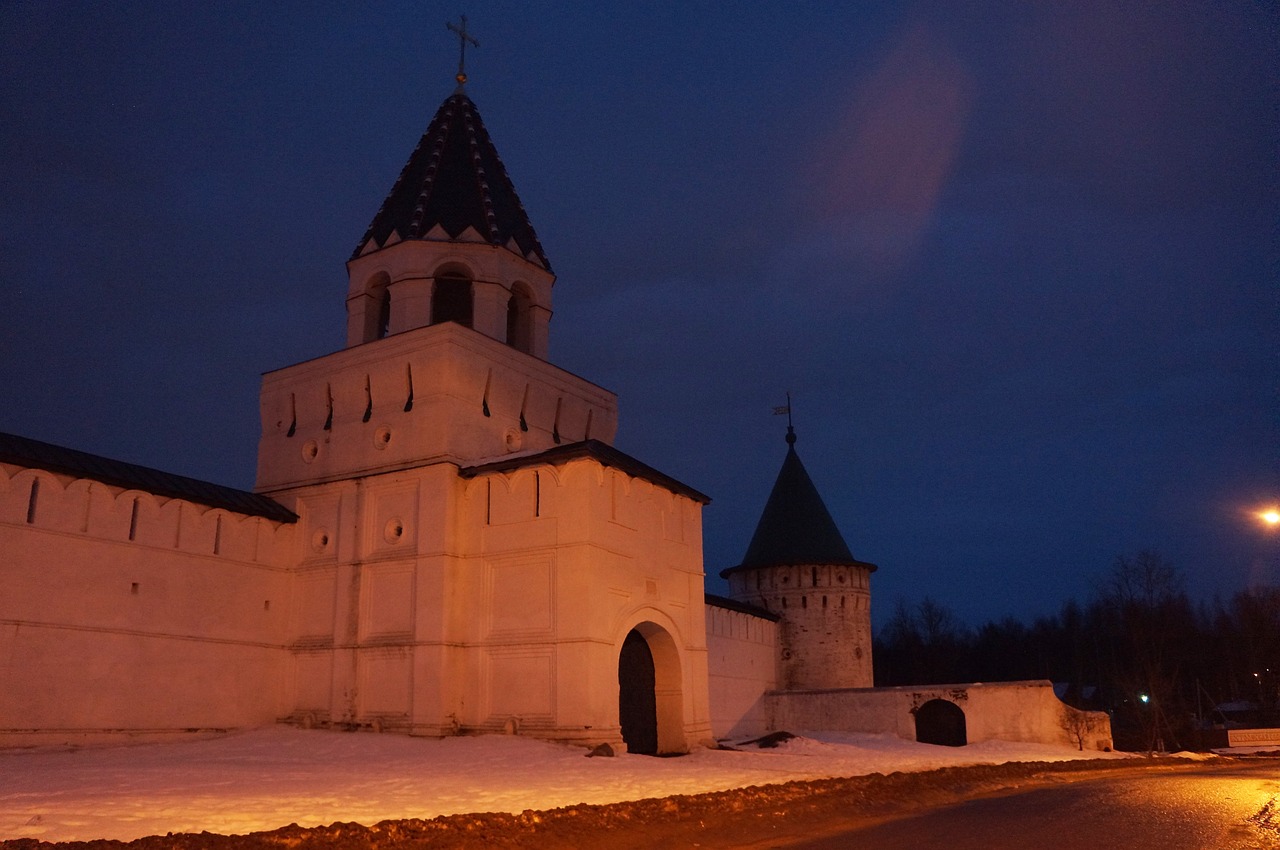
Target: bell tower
448,309
464,521
452,243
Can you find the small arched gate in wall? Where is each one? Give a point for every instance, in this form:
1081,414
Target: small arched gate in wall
650,698
941,721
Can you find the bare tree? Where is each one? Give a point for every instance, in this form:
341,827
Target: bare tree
1079,725
1149,614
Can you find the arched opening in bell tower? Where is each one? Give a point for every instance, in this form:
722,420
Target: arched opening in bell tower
520,319
451,298
375,308
382,302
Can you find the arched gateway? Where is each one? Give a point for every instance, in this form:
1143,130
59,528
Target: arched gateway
941,721
637,707
650,697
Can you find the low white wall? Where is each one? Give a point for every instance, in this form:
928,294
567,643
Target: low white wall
1252,737
1006,711
742,667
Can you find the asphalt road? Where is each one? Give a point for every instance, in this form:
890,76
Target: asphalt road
1237,808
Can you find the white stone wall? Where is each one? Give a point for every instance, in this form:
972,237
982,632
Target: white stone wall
434,604
574,556
742,657
125,613
1007,711
473,399
825,632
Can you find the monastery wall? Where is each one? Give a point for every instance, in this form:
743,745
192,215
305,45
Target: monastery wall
742,656
1007,711
126,613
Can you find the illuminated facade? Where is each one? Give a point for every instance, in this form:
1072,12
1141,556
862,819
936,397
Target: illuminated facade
445,540
442,538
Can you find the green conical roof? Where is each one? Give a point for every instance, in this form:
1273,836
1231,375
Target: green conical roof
796,527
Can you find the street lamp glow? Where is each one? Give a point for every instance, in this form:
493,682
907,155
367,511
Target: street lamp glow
1270,516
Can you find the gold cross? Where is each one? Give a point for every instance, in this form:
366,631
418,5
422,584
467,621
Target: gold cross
463,38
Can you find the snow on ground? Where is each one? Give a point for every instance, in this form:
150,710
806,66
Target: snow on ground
268,778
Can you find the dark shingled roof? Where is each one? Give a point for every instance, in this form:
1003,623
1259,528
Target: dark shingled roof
34,454
796,527
741,607
602,453
454,178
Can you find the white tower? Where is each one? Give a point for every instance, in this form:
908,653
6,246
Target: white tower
474,553
799,567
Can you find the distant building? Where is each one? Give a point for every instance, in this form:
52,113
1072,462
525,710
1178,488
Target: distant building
442,538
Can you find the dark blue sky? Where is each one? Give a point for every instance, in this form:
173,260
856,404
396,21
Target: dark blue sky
1016,262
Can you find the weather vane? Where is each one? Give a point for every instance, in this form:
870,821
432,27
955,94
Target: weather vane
778,411
463,38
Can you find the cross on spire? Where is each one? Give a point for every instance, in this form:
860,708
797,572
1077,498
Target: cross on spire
463,38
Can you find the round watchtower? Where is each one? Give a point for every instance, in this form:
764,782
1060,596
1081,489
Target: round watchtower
799,567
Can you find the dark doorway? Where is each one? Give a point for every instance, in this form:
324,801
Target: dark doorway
940,721
637,706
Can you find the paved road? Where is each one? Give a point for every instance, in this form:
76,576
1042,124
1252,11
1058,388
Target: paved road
1210,809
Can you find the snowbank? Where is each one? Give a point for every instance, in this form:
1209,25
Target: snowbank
271,777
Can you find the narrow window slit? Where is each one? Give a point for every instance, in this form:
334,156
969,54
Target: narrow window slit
408,404
31,501
368,400
328,422
537,493
293,415
555,427
133,520
217,535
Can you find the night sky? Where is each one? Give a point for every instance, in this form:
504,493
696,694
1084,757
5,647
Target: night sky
1016,262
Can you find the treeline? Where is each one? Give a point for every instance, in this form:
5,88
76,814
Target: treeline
1139,650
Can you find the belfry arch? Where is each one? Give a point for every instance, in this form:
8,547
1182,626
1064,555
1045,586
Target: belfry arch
452,299
372,308
650,692
520,318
